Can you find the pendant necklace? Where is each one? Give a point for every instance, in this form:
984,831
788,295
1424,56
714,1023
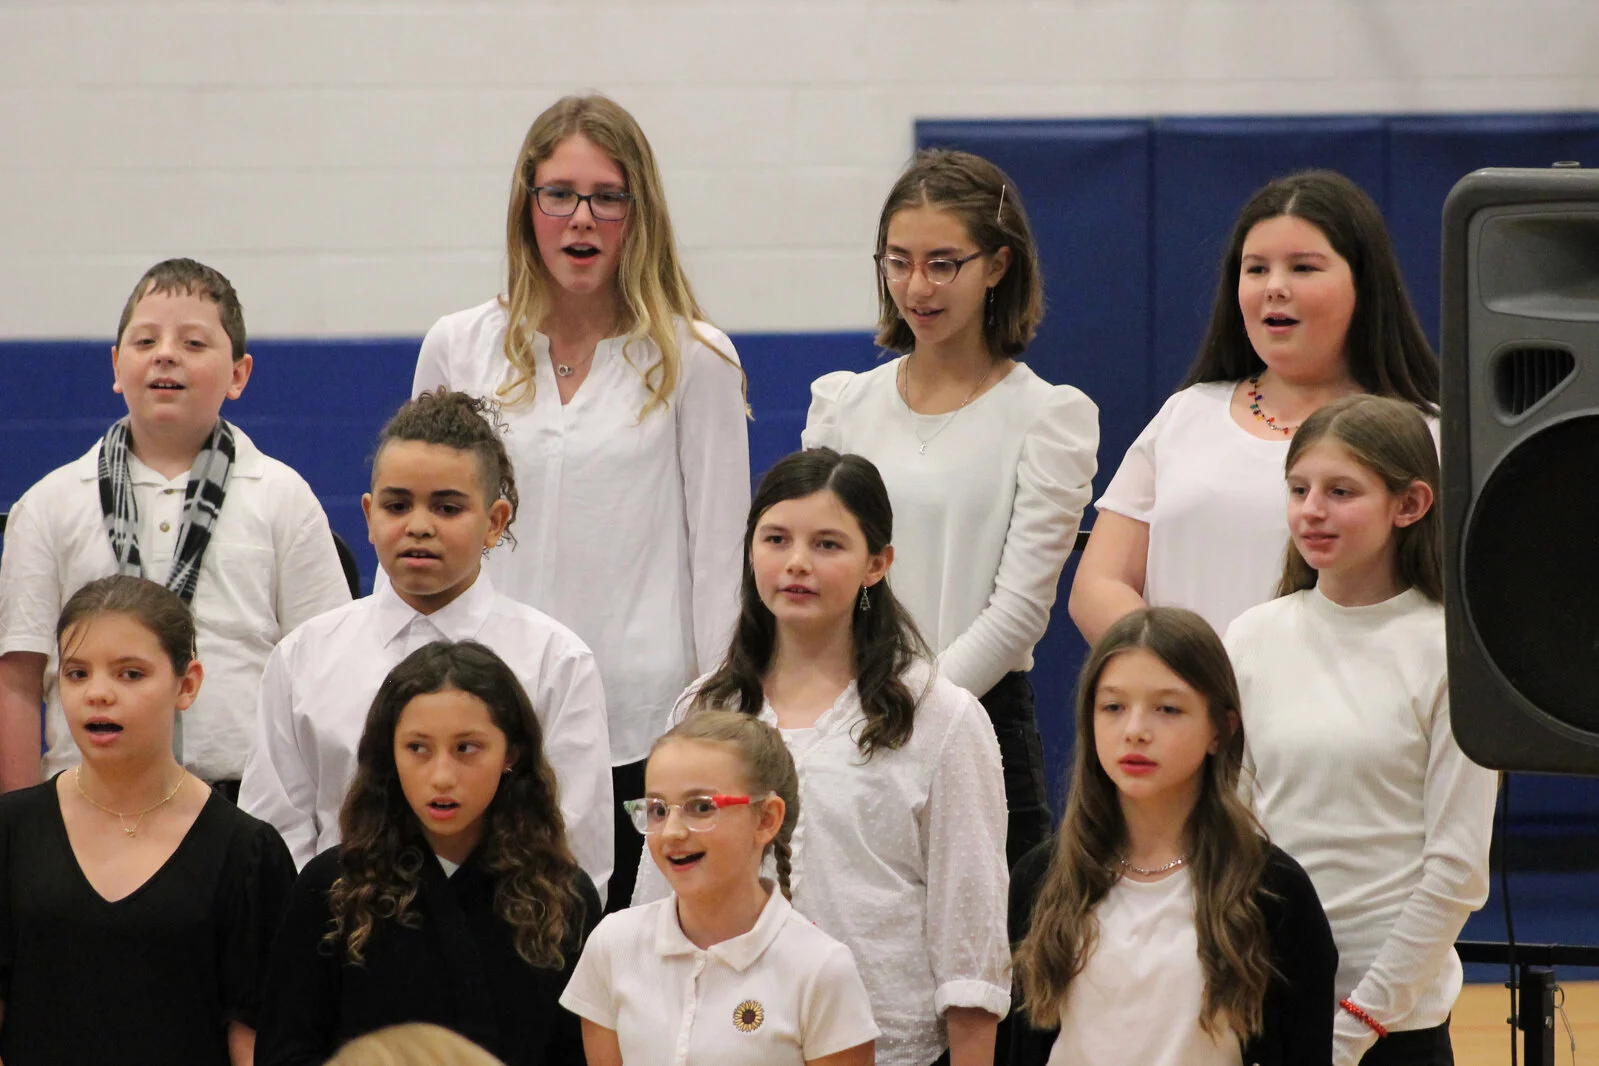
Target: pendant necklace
77,777
942,426
1156,872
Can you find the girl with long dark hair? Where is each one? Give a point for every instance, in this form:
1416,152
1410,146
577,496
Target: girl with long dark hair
453,897
900,847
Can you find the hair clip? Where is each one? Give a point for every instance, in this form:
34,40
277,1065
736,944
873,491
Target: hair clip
999,216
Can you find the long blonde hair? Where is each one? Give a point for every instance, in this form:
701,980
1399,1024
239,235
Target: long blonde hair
1227,853
654,289
1390,438
412,1044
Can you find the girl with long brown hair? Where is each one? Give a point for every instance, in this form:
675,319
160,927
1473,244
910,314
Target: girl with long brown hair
1161,927
453,897
626,423
1355,769
900,847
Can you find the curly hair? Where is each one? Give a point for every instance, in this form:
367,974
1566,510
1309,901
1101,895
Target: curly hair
524,845
886,641
467,424
1227,856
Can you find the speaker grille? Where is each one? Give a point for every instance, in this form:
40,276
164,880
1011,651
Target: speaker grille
1530,571
1524,376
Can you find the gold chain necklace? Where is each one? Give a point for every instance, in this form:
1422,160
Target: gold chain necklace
925,441
77,777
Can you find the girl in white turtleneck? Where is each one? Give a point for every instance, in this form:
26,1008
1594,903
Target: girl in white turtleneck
1346,718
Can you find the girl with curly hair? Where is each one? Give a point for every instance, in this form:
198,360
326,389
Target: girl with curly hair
453,898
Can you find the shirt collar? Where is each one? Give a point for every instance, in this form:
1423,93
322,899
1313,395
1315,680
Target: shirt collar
248,461
741,952
461,619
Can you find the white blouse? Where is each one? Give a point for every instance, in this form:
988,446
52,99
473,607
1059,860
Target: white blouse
1212,495
1138,998
1357,775
318,687
631,530
984,520
902,857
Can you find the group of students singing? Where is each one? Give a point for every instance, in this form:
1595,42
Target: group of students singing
280,822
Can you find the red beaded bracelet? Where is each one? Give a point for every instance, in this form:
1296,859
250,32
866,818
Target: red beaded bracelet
1371,1023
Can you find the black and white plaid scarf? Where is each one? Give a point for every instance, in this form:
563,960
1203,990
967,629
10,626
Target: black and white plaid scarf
202,502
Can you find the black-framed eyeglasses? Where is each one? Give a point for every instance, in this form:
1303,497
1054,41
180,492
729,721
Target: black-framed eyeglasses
607,205
896,268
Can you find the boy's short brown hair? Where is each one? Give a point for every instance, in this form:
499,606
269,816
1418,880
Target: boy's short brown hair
196,279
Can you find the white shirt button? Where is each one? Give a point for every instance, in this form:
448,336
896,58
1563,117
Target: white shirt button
166,527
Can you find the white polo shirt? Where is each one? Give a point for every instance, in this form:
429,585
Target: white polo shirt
319,685
782,994
270,566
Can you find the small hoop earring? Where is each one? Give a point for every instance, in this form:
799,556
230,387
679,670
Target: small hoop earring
864,604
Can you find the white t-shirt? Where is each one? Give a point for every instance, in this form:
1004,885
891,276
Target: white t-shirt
985,519
319,684
902,857
270,566
1212,495
631,531
782,994
1138,998
1358,777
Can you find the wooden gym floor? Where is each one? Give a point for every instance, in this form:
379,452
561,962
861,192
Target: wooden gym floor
1481,1037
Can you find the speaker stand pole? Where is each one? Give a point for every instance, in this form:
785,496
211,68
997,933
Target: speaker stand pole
1535,1014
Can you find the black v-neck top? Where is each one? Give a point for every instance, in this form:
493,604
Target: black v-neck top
153,978
458,968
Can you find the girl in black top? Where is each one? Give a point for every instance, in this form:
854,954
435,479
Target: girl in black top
136,905
453,898
1161,925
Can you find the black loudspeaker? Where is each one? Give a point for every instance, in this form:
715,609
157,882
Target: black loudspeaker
1520,337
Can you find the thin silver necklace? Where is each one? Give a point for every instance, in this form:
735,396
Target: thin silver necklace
942,426
1156,872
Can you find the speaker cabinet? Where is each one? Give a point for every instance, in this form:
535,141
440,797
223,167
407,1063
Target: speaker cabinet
1520,338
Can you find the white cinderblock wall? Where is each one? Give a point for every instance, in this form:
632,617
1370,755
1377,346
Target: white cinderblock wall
347,163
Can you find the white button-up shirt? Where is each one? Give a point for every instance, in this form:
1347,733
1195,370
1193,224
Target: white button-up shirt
270,566
782,994
632,529
902,857
319,685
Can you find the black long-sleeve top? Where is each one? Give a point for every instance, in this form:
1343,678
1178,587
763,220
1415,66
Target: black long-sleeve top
457,968
1298,1012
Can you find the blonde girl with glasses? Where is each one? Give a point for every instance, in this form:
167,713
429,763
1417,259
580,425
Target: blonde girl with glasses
899,850
626,424
723,971
988,465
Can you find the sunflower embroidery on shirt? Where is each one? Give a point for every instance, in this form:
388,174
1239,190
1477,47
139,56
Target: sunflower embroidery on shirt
748,1016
